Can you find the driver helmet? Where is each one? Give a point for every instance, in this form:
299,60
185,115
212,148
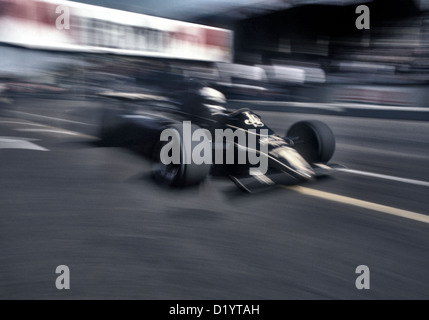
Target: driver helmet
213,100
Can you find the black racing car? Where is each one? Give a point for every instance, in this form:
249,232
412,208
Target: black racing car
302,155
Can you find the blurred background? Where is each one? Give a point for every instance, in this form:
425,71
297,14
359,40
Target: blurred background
67,201
308,51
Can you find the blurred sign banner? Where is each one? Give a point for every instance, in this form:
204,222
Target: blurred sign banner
34,24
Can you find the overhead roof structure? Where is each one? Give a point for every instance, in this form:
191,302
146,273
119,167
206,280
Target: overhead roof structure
226,11
194,9
258,7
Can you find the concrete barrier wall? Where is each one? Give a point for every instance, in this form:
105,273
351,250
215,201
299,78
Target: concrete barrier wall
391,95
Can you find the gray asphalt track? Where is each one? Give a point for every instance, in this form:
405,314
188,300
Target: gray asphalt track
97,211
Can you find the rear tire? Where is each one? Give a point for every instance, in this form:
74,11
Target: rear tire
314,140
109,128
181,174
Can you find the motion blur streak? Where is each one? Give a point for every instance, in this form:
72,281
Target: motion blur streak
386,177
361,204
67,199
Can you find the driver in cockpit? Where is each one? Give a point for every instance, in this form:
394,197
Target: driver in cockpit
202,101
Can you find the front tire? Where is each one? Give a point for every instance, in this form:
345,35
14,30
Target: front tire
314,140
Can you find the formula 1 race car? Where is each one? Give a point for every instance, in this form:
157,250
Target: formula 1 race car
195,136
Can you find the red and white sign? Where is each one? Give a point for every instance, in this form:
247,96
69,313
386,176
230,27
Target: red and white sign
33,24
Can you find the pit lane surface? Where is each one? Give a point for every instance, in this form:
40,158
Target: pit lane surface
66,202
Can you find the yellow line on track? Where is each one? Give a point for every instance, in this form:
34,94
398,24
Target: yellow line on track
361,204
